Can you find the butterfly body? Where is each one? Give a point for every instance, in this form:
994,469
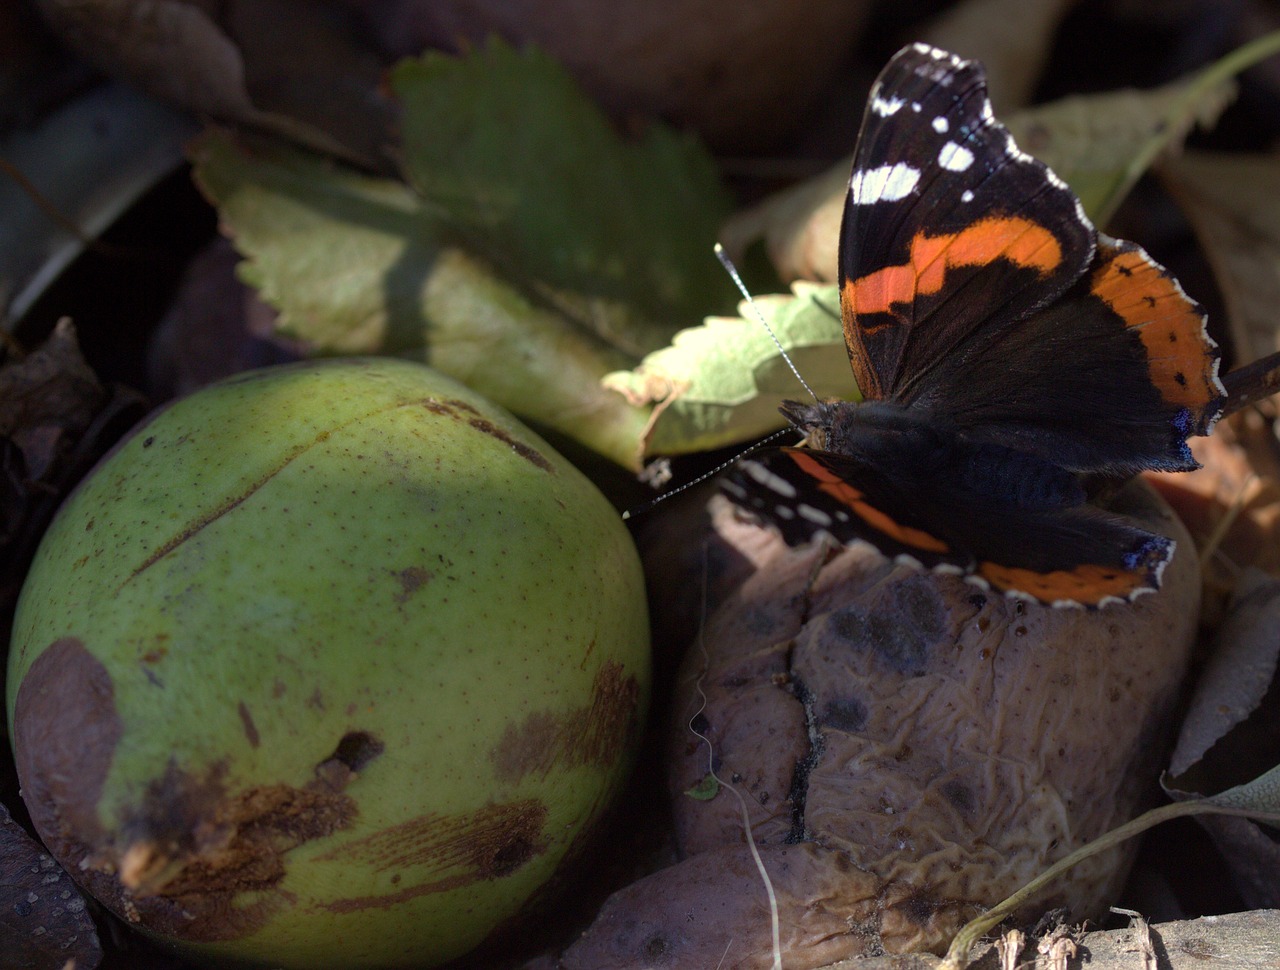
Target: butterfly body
1007,353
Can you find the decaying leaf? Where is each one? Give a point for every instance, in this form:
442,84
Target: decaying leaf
1230,739
504,149
1233,201
274,65
55,421
44,920
536,253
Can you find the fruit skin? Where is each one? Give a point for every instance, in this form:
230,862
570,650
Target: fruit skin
327,665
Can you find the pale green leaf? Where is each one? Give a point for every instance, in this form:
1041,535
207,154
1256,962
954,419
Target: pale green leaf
355,266
722,382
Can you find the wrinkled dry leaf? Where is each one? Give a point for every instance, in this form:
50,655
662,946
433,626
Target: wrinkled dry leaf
44,921
1233,202
1238,675
1231,505
282,66
55,421
1231,737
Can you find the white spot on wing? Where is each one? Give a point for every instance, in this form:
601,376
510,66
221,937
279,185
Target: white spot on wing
762,475
955,158
810,514
888,183
966,196
886,107
940,125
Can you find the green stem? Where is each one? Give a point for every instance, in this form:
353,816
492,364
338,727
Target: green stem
957,957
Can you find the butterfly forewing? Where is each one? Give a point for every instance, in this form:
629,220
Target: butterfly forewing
947,227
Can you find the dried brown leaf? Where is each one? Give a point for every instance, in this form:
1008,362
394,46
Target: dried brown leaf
55,421
44,922
1233,202
281,66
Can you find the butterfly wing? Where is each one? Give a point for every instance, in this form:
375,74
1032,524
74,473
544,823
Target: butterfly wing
1073,556
947,228
1111,378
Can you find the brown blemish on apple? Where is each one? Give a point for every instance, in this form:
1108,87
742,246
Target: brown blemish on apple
451,407
191,848
520,448
595,734
250,729
451,851
411,580
65,731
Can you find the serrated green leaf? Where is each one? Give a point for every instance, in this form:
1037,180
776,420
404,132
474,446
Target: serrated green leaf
532,176
356,266
722,382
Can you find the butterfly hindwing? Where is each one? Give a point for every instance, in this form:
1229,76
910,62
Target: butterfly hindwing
1076,555
1112,378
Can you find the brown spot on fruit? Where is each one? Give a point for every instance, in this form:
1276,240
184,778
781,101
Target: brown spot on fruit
250,729
190,848
193,849
411,580
65,731
520,448
596,734
451,850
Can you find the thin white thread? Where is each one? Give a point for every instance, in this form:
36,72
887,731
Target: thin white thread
711,771
732,270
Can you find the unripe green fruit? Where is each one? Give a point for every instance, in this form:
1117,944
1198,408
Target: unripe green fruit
327,666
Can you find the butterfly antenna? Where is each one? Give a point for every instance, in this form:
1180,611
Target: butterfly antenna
732,270
705,475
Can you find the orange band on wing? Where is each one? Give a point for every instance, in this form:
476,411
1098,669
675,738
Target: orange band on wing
1179,355
1085,584
847,495
1019,241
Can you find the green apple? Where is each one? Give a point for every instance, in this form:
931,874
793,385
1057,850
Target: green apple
327,665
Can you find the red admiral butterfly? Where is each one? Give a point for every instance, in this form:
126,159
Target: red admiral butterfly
1007,353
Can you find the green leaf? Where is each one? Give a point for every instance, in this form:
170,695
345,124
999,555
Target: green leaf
355,265
512,157
706,789
722,382
1101,144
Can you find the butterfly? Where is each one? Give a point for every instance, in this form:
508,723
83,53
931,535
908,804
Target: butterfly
1008,354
